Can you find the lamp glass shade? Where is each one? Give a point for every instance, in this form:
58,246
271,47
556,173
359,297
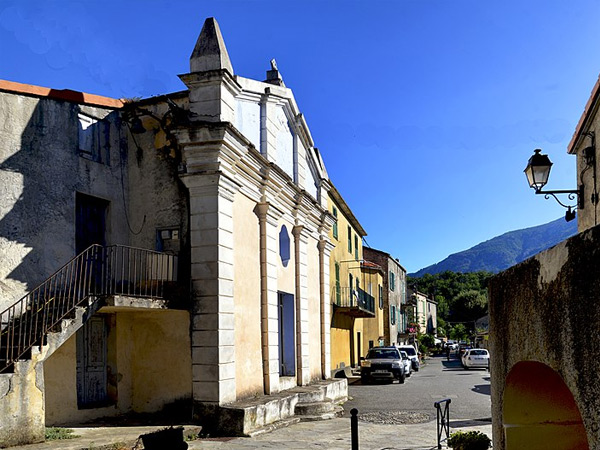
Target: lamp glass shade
538,170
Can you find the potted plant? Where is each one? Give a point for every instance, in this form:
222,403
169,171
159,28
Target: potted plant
469,440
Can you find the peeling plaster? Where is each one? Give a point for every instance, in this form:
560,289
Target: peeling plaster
5,385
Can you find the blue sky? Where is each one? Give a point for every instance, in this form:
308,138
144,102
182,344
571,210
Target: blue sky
425,111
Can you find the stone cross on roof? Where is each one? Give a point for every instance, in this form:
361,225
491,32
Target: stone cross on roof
273,75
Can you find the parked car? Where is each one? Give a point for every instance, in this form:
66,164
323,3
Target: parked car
382,363
407,363
412,354
476,357
463,348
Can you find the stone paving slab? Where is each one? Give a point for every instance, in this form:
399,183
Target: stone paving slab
331,434
335,435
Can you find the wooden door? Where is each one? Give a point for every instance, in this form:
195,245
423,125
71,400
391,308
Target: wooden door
90,221
91,363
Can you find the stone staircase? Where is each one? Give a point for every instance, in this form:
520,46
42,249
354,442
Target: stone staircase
318,401
39,323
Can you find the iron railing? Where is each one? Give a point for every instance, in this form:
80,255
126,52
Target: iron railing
97,271
443,420
347,297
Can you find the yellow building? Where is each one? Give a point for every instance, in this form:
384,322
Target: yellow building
356,290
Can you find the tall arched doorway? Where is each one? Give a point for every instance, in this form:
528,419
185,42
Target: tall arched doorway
539,411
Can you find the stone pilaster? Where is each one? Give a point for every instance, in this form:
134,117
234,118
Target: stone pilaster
213,334
268,128
301,270
268,217
325,248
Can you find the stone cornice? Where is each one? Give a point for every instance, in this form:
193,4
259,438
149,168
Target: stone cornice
195,79
220,147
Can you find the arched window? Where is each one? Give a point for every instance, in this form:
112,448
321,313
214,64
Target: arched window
284,246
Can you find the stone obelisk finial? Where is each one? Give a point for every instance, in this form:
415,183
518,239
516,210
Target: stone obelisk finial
210,52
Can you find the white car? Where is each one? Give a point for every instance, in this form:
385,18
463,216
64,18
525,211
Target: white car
407,363
412,354
476,357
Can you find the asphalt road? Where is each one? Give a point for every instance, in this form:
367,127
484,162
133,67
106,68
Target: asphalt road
469,391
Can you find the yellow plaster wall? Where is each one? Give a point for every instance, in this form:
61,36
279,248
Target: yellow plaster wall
373,327
60,381
343,327
151,366
340,342
161,360
246,296
314,310
286,276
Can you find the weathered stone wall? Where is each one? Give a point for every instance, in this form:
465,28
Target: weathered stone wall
40,172
157,198
22,405
547,309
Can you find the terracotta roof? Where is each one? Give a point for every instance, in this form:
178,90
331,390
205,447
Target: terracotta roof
60,94
364,264
589,106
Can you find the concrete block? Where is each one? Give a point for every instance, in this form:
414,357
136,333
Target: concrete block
205,355
204,391
205,373
227,391
227,371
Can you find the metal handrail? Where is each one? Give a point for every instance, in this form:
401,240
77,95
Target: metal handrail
97,271
443,420
347,297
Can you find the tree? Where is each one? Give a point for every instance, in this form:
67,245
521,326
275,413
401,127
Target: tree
427,340
469,305
459,332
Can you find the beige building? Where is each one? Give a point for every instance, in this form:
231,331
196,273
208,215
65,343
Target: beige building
210,281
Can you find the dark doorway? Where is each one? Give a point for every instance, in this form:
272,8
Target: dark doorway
92,363
287,333
90,221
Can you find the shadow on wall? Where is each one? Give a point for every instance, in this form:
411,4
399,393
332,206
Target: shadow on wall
540,412
39,180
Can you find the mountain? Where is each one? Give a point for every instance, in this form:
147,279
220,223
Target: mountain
506,250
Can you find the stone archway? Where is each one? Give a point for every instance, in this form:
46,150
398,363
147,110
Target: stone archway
539,411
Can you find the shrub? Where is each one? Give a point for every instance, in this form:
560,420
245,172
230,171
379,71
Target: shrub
56,433
471,440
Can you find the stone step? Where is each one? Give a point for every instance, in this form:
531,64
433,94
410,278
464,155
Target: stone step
313,408
275,426
337,411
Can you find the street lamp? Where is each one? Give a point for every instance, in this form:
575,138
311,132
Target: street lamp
538,172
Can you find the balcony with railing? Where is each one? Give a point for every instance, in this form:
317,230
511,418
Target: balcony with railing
354,302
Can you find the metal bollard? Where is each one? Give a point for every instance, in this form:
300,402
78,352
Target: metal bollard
354,428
